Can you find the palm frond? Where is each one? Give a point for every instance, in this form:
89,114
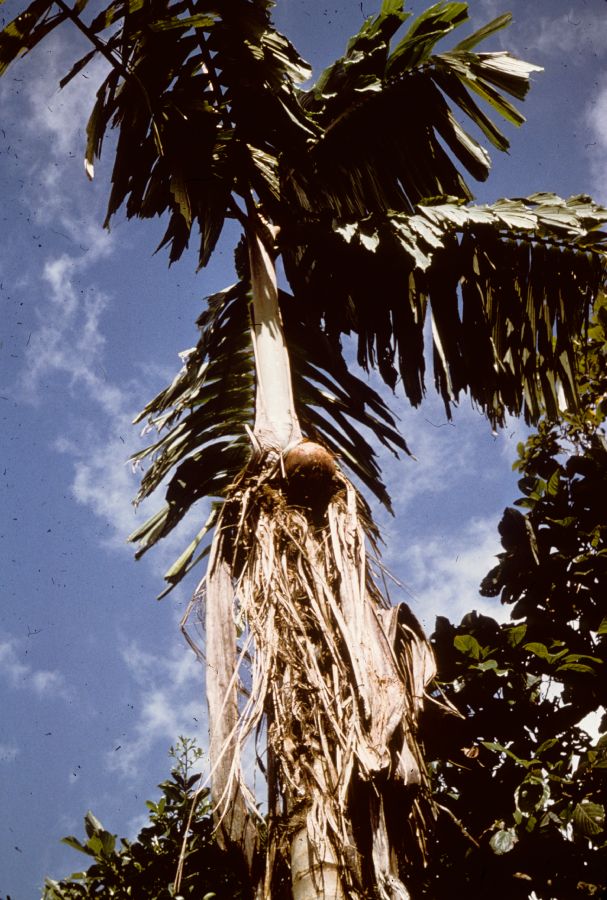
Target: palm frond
387,114
338,676
203,99
203,418
509,287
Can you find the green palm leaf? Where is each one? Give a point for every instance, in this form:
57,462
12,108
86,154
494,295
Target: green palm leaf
387,114
508,287
204,416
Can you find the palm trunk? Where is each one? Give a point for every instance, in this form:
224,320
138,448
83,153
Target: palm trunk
314,869
338,676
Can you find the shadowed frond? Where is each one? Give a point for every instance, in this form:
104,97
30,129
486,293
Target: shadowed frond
205,415
204,97
388,114
508,287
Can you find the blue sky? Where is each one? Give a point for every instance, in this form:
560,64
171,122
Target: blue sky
96,681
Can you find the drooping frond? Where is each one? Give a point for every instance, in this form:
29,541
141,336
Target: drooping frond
202,95
508,287
338,677
202,417
217,84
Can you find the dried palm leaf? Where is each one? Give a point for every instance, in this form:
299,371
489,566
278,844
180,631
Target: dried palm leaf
337,677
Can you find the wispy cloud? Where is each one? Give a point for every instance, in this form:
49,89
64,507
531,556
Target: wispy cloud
171,704
58,117
595,119
68,339
444,574
571,36
8,753
42,682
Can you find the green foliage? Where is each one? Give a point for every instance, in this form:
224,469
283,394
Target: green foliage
146,867
522,784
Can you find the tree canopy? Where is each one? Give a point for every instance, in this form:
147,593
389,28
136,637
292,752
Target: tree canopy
524,777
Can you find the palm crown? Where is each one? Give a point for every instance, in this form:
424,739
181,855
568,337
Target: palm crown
372,217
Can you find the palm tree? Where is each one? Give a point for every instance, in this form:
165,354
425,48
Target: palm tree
356,185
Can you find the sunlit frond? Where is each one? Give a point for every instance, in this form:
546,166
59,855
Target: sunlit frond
387,115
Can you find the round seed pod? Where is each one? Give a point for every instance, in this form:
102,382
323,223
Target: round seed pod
310,472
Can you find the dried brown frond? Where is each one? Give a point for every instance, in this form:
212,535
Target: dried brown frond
335,675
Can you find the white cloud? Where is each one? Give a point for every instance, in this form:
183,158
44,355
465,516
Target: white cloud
103,480
595,119
42,682
489,9
8,753
62,113
10,665
573,35
172,703
49,128
59,118
437,455
444,573
68,339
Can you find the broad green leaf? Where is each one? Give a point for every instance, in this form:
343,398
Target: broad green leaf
553,485
95,843
468,645
539,649
73,842
515,634
588,819
503,841
577,667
